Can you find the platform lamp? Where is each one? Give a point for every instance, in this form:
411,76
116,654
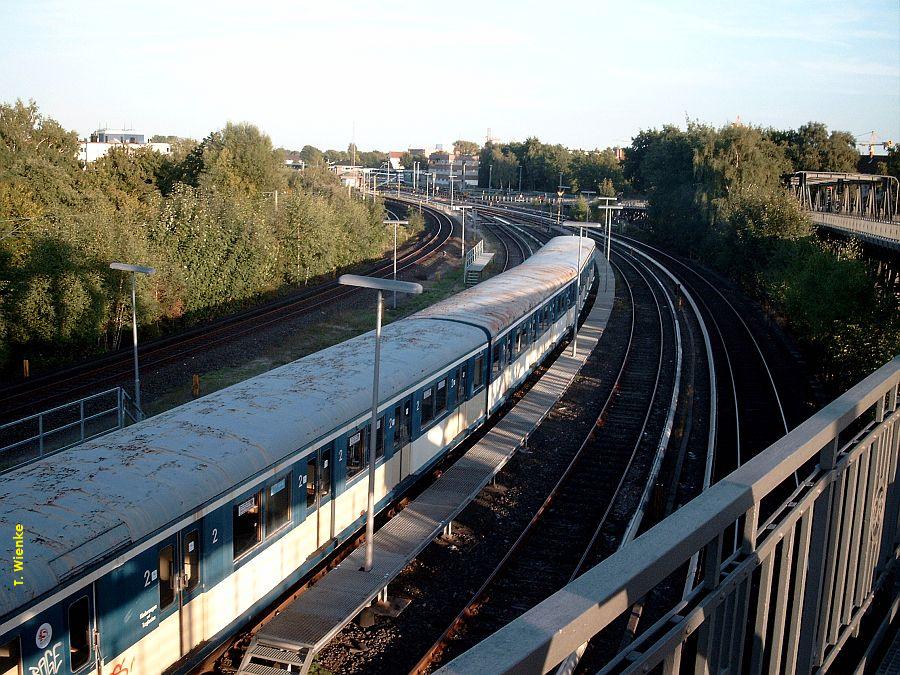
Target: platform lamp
135,270
580,225
395,223
380,285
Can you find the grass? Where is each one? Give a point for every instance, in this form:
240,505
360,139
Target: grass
338,327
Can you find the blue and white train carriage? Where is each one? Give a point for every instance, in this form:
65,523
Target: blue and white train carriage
146,548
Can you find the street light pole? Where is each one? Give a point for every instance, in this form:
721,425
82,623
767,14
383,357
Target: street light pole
395,223
135,270
379,285
577,296
451,185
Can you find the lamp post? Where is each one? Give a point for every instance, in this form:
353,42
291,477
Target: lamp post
463,209
395,223
380,285
135,270
580,225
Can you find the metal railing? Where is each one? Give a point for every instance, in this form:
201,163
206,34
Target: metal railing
810,561
473,253
875,231
30,438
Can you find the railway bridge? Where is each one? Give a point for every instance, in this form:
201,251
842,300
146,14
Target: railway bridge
859,205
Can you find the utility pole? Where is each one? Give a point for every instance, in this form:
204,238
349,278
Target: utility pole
450,176
490,178
520,179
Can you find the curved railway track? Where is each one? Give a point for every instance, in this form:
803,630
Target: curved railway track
554,545
41,392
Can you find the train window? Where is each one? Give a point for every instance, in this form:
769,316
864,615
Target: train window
278,504
356,453
190,556
478,373
461,384
10,658
79,632
311,482
498,355
508,359
427,406
440,399
379,438
166,576
246,524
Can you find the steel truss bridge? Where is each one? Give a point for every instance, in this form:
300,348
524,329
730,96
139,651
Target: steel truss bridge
864,206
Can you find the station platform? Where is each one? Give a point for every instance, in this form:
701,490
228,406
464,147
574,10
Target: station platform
292,638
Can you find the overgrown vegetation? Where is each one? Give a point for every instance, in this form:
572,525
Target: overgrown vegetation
205,217
539,166
716,195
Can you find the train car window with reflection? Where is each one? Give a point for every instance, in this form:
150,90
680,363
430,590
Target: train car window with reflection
278,504
246,522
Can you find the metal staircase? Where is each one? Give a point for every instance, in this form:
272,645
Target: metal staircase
261,659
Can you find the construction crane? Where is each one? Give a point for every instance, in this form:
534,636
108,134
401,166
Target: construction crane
872,141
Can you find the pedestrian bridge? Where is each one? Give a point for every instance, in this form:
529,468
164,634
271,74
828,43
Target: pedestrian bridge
798,553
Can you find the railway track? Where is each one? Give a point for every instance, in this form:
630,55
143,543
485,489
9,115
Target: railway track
554,545
44,391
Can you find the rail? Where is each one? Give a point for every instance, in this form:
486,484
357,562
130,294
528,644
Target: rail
811,560
64,426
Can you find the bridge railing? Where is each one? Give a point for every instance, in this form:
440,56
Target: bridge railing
878,230
815,517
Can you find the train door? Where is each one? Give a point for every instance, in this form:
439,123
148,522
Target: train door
179,582
403,433
462,395
319,468
79,620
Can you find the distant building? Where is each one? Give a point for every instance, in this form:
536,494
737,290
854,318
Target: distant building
395,157
349,174
103,139
295,164
441,163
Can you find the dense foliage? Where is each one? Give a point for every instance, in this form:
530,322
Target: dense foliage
717,195
205,217
540,166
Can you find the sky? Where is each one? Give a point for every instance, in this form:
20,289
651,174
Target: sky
395,73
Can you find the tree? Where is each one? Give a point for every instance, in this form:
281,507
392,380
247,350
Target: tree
239,159
580,209
891,167
466,148
312,155
590,170
500,166
812,148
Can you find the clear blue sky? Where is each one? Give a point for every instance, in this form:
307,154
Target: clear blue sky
410,73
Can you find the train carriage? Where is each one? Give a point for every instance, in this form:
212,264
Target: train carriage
148,547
